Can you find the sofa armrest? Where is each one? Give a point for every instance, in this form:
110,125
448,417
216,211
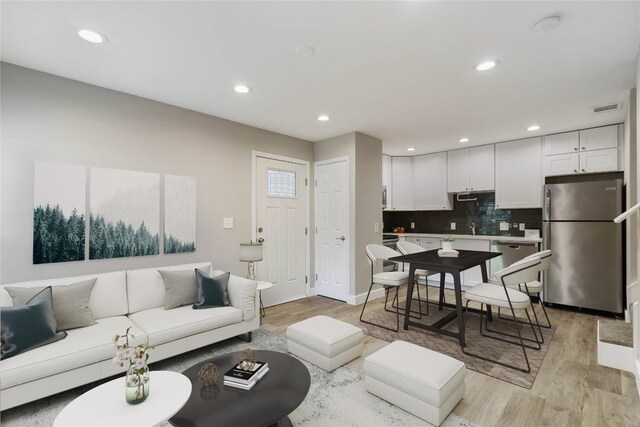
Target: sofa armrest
242,295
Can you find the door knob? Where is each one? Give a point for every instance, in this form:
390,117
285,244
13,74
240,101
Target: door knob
260,229
341,238
260,240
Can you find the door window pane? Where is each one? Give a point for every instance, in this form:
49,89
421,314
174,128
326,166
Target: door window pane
281,184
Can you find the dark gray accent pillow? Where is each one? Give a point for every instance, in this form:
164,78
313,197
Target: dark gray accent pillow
70,302
212,291
181,287
26,327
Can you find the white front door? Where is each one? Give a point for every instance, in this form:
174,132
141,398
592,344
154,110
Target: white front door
332,222
280,225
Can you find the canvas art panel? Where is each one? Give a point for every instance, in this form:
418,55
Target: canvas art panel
179,214
124,213
59,198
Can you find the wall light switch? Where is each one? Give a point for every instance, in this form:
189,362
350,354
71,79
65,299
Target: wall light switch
522,225
504,226
376,227
453,225
227,223
413,225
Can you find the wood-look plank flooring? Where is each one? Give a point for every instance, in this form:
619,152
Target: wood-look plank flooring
571,389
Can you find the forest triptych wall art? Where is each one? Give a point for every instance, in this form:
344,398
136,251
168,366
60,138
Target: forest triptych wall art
123,215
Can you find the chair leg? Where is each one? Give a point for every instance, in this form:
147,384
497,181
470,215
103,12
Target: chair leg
535,314
544,310
535,340
395,305
524,351
385,303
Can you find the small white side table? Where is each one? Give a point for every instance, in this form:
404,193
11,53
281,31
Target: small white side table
263,286
105,405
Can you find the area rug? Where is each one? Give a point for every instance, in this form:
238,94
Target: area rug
476,343
335,399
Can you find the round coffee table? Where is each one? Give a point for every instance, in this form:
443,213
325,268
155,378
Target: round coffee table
105,405
268,403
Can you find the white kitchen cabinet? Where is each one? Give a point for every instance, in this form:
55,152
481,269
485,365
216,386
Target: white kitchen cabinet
482,168
458,171
561,143
472,276
429,182
561,164
386,179
599,160
402,183
599,138
519,174
471,169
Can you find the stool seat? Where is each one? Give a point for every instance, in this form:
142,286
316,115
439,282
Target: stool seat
324,341
423,382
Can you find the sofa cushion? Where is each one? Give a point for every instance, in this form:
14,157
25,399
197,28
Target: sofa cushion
29,325
169,325
70,302
108,296
83,346
425,374
242,294
146,289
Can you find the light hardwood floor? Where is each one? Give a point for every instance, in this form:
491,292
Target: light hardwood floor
571,389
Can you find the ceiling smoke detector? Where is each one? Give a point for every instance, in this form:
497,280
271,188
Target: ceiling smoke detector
547,24
607,108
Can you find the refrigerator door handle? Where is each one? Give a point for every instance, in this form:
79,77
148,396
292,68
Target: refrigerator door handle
547,203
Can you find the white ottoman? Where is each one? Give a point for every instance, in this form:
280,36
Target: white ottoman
420,381
326,342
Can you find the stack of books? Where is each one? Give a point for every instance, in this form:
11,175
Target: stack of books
245,375
452,253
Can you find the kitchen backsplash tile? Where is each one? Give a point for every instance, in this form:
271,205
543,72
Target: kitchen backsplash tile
482,212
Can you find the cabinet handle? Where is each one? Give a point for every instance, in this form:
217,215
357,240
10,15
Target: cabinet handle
467,188
583,170
472,188
575,171
575,148
584,148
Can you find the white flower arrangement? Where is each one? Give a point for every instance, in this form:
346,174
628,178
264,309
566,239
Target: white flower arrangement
136,356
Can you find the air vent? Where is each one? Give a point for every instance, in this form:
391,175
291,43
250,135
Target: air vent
608,108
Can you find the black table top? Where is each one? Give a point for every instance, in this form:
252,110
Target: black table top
429,260
274,397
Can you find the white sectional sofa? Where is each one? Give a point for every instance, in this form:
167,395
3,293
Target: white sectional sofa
119,300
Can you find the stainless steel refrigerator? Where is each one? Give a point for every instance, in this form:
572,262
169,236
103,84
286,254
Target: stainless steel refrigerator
587,264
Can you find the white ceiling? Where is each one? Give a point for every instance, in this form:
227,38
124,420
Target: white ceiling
402,72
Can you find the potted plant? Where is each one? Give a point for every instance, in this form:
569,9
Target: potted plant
137,377
447,243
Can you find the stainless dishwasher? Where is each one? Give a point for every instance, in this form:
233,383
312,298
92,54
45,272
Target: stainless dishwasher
511,252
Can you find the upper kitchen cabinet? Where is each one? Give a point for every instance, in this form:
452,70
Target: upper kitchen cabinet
402,183
386,179
561,143
519,174
471,169
429,185
599,160
599,138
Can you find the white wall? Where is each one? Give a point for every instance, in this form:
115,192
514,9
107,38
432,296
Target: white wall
49,118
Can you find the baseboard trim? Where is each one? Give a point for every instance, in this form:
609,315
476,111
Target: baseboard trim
359,299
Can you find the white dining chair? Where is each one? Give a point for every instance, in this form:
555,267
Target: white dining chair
505,296
406,248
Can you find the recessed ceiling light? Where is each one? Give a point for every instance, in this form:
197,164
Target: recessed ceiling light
486,65
242,89
464,139
92,36
533,127
323,118
411,149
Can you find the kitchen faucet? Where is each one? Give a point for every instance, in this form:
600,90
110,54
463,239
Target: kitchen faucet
473,228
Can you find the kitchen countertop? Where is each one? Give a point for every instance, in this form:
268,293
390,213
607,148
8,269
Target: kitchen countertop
514,239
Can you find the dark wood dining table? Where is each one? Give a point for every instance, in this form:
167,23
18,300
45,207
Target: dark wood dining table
430,260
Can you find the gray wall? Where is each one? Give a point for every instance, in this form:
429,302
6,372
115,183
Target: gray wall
49,118
365,198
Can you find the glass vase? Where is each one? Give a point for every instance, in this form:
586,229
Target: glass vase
137,384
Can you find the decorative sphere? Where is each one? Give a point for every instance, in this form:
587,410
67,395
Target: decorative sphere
209,392
208,374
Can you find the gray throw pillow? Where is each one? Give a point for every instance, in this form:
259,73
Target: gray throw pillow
70,303
181,287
